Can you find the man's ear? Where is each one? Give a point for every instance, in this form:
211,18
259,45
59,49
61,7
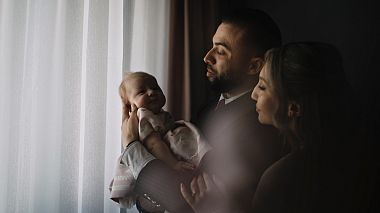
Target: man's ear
255,65
294,110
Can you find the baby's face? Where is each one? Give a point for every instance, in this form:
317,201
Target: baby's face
143,91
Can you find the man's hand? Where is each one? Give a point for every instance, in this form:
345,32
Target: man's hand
129,128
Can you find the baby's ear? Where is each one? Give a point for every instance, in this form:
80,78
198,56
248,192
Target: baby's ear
126,111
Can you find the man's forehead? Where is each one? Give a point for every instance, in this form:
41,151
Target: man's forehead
228,33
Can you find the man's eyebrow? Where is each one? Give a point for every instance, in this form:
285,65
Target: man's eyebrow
222,44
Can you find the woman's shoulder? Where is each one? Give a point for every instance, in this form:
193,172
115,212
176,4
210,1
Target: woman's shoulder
284,186
286,177
291,161
284,170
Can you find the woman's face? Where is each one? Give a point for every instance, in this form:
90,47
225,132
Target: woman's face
267,102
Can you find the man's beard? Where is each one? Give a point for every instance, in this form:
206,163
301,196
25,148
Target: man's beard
222,84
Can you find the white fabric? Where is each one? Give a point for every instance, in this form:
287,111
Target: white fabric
136,157
229,100
60,113
150,122
149,47
186,141
182,137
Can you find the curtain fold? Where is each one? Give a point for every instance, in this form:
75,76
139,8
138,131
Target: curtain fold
147,48
203,22
178,60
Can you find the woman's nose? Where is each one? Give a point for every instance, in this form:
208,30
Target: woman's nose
254,94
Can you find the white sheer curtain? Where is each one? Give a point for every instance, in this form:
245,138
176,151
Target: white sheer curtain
148,47
61,63
146,40
60,66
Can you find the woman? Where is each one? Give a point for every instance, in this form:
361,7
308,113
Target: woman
300,92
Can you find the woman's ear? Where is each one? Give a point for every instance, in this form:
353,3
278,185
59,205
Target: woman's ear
255,65
294,110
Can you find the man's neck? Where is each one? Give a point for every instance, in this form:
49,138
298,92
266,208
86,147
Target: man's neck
236,91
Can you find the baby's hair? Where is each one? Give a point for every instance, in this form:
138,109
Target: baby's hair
123,85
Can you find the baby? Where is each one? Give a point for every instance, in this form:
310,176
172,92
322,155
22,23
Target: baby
178,144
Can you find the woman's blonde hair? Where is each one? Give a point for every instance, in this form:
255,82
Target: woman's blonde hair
311,75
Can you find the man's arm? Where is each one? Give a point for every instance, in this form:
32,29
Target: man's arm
136,157
156,181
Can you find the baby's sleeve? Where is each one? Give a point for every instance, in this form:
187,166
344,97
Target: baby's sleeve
148,123
187,142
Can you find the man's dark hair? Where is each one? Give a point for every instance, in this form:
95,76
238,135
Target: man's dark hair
261,32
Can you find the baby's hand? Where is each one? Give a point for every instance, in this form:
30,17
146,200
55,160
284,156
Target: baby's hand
184,166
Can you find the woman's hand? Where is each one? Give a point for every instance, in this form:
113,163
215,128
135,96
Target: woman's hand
184,166
129,128
205,195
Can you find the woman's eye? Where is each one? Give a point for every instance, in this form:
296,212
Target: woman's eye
220,52
261,87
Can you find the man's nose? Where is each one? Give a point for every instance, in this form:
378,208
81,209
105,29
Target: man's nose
209,58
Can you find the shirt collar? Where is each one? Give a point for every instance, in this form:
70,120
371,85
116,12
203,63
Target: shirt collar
229,100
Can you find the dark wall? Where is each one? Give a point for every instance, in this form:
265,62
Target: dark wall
353,26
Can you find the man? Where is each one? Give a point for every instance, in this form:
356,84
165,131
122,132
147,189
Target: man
243,148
